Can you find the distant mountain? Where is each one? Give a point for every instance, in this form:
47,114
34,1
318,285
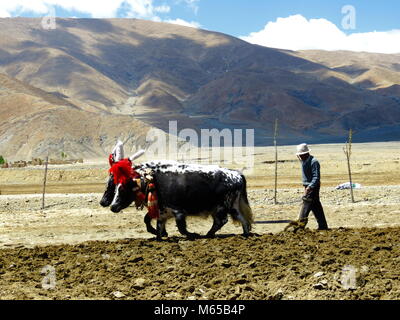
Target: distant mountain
91,80
35,123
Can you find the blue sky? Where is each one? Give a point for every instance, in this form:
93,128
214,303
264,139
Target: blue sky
247,19
240,17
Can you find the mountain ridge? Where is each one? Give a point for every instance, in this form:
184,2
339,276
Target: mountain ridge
149,73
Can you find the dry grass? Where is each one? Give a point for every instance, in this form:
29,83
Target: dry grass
373,164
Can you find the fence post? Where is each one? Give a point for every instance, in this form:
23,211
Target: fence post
347,152
276,161
44,180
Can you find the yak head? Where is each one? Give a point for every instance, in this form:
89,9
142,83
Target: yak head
124,196
120,175
109,193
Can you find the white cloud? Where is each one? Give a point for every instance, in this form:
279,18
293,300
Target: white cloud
297,33
140,9
181,22
192,4
162,9
4,13
97,9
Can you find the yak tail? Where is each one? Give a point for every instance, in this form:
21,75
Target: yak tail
244,205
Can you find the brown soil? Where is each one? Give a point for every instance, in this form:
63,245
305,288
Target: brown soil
288,265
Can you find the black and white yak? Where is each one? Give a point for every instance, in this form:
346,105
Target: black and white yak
182,190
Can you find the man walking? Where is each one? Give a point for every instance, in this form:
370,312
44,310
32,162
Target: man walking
311,182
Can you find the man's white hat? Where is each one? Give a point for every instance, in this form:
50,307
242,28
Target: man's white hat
302,149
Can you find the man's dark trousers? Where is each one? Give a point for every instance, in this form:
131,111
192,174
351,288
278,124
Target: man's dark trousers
311,202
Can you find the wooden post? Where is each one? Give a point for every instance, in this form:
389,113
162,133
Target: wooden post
44,180
347,152
276,161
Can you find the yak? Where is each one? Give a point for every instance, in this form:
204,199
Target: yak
182,190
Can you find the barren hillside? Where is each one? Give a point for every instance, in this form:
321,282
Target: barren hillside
35,123
90,80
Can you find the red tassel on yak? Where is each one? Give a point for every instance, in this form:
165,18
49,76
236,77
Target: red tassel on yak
152,202
140,198
122,171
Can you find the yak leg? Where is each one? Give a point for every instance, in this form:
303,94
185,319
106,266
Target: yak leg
237,215
149,227
161,228
220,219
181,224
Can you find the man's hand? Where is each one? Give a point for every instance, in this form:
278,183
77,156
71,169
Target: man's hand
307,191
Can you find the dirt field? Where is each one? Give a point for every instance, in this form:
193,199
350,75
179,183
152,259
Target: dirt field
302,265
97,254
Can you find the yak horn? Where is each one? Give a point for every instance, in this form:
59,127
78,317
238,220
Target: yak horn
137,155
118,151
